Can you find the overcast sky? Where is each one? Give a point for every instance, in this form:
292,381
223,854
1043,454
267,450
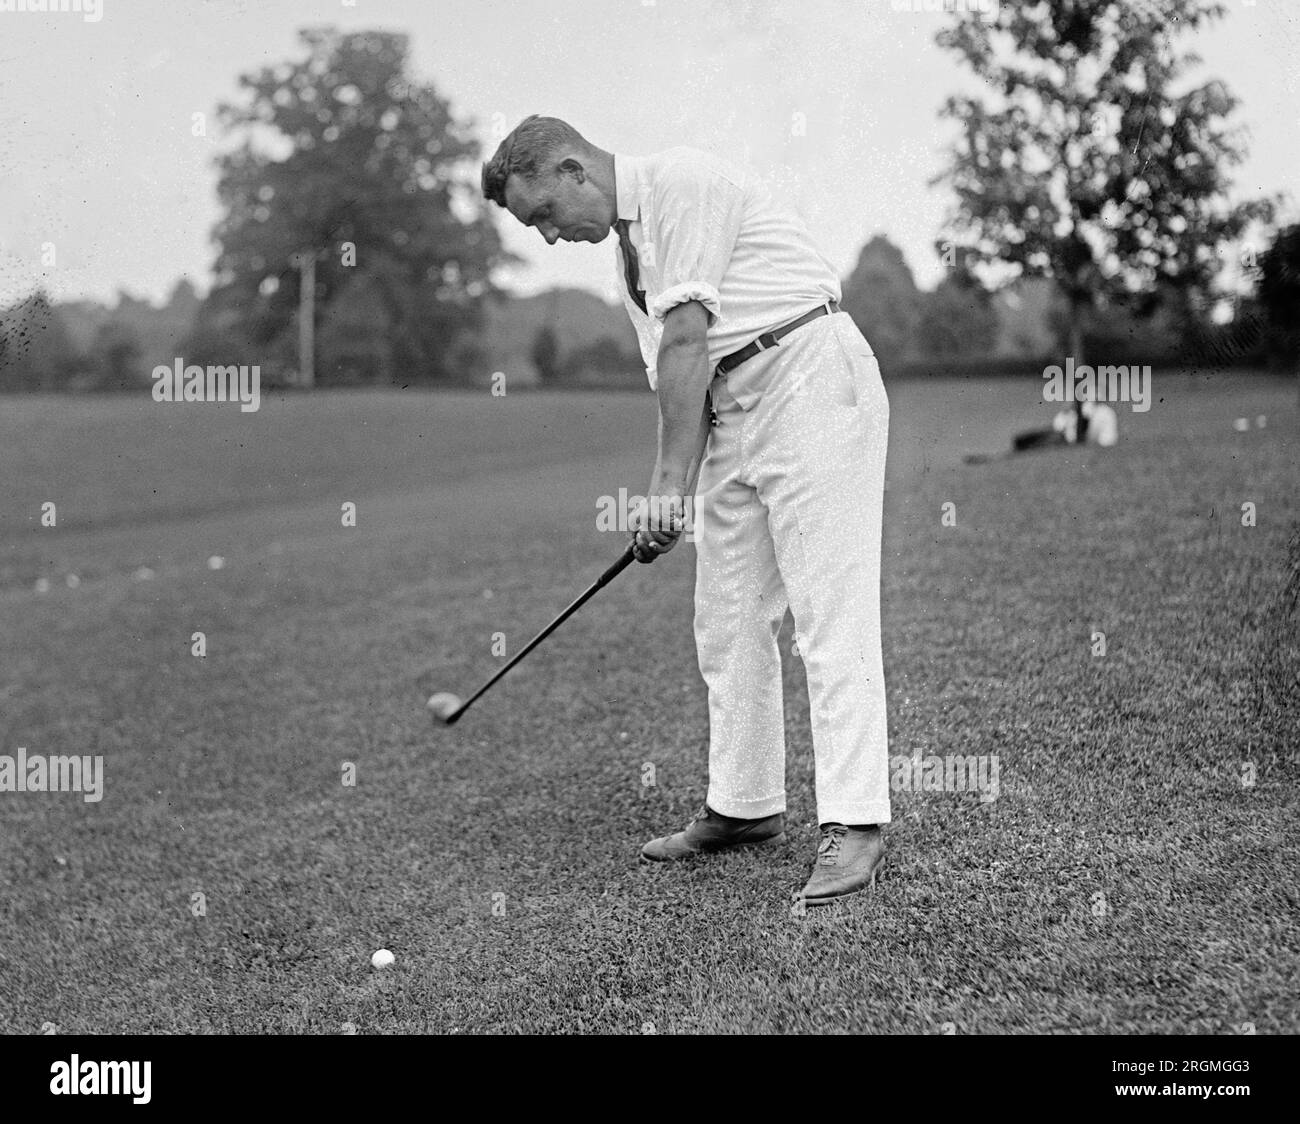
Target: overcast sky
97,155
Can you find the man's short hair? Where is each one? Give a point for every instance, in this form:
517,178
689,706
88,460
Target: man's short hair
527,151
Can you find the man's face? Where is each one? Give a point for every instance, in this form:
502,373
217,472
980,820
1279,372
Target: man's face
563,206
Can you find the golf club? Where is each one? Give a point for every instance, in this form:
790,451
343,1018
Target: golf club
447,708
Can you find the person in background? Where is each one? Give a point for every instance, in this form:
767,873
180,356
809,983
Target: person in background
1100,427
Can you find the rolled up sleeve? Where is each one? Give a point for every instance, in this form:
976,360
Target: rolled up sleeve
699,214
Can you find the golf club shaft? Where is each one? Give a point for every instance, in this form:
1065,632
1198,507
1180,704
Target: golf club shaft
627,557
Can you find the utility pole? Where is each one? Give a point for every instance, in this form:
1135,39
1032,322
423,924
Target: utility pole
306,263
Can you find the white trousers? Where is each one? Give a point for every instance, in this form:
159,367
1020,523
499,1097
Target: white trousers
788,514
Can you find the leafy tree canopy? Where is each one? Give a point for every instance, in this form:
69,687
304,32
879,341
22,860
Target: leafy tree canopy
1090,157
342,155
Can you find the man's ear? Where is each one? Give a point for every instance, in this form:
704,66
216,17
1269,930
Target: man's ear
571,167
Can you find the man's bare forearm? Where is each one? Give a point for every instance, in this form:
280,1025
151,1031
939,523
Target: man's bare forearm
683,416
683,382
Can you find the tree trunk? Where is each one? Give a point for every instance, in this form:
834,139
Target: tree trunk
1076,351
307,318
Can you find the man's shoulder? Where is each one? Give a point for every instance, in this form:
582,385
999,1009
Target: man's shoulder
683,162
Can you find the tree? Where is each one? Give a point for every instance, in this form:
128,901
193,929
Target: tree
116,352
356,336
1026,311
957,320
545,354
36,352
1087,160
1278,294
372,174
184,302
881,296
604,361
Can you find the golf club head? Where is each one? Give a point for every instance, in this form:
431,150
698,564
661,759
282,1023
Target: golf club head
445,708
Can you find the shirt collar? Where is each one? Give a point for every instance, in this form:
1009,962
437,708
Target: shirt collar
628,175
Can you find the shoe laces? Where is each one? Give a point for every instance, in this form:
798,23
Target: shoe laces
702,814
828,850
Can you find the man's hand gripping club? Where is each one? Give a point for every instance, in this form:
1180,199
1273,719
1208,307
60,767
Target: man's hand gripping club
683,380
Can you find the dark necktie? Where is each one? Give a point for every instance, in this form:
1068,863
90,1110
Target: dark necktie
631,269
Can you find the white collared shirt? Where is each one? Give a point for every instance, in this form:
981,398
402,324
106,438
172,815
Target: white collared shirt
710,231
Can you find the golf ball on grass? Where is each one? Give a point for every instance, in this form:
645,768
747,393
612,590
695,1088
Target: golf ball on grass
382,958
442,705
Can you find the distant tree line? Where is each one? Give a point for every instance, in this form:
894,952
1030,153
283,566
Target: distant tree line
349,194
85,345
958,327
961,327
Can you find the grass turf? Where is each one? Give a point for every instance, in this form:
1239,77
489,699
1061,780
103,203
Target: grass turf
498,859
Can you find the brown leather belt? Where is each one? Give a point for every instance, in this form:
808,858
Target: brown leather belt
771,339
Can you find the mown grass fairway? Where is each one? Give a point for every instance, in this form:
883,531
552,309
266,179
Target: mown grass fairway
1120,775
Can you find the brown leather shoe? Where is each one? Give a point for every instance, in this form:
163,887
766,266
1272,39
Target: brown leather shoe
848,860
712,831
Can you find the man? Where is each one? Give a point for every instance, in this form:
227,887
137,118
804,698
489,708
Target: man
1085,423
772,413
